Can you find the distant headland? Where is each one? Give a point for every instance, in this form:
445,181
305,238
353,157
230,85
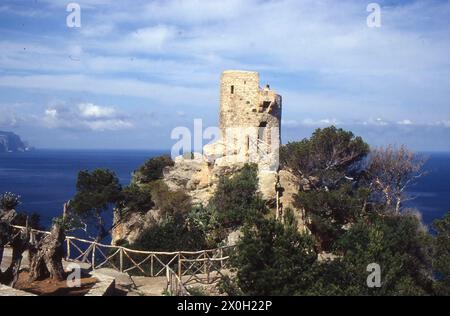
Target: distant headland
10,142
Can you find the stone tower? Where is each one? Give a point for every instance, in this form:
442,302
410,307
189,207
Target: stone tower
250,121
244,104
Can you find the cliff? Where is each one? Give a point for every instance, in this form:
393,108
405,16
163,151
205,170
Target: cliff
10,142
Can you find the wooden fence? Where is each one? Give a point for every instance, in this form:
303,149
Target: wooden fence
181,268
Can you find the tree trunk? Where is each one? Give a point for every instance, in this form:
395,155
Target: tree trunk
4,236
101,234
19,244
18,241
47,255
398,204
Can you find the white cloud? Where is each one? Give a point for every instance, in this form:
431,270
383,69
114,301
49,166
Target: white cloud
112,124
51,113
197,11
13,115
443,123
98,30
374,122
89,110
290,123
405,122
8,119
320,122
146,40
85,116
164,94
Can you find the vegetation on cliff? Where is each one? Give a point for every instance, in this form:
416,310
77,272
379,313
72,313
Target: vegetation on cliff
273,258
190,227
355,217
152,169
354,211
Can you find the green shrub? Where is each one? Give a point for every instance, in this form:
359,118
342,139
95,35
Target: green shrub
397,243
169,202
172,234
273,259
441,255
328,154
330,210
237,199
137,198
197,291
98,191
9,201
152,169
205,219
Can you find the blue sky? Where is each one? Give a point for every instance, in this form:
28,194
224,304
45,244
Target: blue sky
134,70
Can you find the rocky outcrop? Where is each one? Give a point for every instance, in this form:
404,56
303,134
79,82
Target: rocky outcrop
250,124
129,229
10,142
198,177
195,176
290,185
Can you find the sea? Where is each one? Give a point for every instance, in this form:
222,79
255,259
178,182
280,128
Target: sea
46,179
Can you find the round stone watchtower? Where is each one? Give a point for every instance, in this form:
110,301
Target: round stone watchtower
250,121
250,118
244,104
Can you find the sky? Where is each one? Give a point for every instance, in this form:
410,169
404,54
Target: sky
135,70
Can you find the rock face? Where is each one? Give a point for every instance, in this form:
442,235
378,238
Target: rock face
198,177
291,185
129,230
10,142
195,176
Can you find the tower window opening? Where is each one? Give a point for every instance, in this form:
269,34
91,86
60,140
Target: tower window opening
266,104
232,89
247,147
261,136
261,130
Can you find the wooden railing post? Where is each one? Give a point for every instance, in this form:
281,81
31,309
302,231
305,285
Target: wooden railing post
151,264
179,265
168,277
68,248
207,267
32,236
93,256
121,259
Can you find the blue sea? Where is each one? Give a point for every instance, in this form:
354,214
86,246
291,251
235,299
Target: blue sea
46,179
